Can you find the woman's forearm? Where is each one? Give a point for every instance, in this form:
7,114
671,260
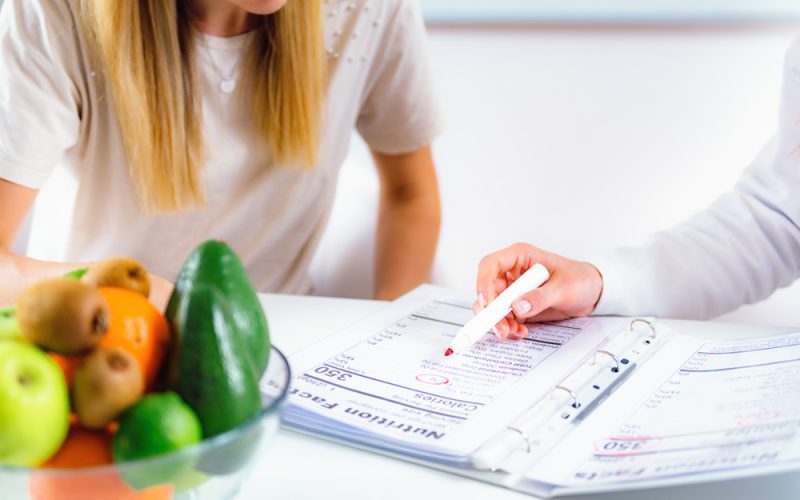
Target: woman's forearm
18,272
408,221
406,244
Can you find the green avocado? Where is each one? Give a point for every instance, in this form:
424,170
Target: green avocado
214,264
212,372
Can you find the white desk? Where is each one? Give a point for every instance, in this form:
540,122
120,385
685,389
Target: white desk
299,467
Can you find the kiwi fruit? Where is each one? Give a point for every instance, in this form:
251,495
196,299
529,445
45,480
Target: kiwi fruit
63,315
121,272
106,383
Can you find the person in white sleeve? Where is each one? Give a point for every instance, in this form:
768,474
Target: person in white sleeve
738,251
143,127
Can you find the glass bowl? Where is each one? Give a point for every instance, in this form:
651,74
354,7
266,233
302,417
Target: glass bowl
210,470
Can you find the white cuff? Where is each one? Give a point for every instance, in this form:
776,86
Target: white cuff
613,298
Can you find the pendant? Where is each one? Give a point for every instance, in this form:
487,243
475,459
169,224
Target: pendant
226,85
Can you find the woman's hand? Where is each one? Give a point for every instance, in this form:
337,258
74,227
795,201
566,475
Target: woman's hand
573,288
18,272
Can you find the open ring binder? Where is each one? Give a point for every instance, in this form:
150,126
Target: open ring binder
501,407
572,394
670,413
524,437
544,422
613,356
649,325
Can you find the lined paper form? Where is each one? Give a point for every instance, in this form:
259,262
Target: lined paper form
388,380
710,407
580,406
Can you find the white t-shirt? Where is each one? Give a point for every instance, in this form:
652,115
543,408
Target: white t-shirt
58,133
737,252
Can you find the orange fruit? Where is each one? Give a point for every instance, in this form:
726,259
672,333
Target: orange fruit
82,448
86,448
91,485
137,327
68,365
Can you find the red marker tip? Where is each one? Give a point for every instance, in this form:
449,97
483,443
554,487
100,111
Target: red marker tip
448,352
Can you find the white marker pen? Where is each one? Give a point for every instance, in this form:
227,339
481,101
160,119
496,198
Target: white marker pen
498,309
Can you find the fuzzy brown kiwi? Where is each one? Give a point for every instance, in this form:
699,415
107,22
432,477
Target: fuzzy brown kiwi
106,383
122,272
63,315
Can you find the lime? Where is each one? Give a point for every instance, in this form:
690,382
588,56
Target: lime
156,425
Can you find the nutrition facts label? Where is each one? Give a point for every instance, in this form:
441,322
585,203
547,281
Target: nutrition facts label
394,381
731,404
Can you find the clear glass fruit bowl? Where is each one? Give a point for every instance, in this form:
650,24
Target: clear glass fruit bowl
210,470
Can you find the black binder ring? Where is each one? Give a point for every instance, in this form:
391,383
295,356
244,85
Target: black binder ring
649,325
572,394
613,356
524,437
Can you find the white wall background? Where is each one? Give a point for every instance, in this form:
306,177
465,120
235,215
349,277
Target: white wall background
516,11
576,140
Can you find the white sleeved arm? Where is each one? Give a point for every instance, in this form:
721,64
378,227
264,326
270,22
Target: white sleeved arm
400,112
738,251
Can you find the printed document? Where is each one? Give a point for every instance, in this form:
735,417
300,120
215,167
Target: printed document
386,382
697,407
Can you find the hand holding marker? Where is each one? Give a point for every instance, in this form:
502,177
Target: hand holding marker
497,310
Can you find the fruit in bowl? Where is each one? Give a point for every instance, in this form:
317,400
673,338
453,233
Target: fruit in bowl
164,402
106,383
222,348
118,272
156,425
63,315
8,323
214,264
213,371
92,473
34,404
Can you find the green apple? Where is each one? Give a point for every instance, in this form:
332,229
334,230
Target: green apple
8,323
34,405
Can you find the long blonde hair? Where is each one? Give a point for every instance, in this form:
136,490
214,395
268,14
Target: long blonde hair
146,48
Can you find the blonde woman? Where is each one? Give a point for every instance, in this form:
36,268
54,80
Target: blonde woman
142,127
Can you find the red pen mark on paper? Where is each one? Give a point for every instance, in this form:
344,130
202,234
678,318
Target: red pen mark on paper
448,352
432,378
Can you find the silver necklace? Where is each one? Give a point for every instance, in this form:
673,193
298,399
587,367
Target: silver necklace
227,83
